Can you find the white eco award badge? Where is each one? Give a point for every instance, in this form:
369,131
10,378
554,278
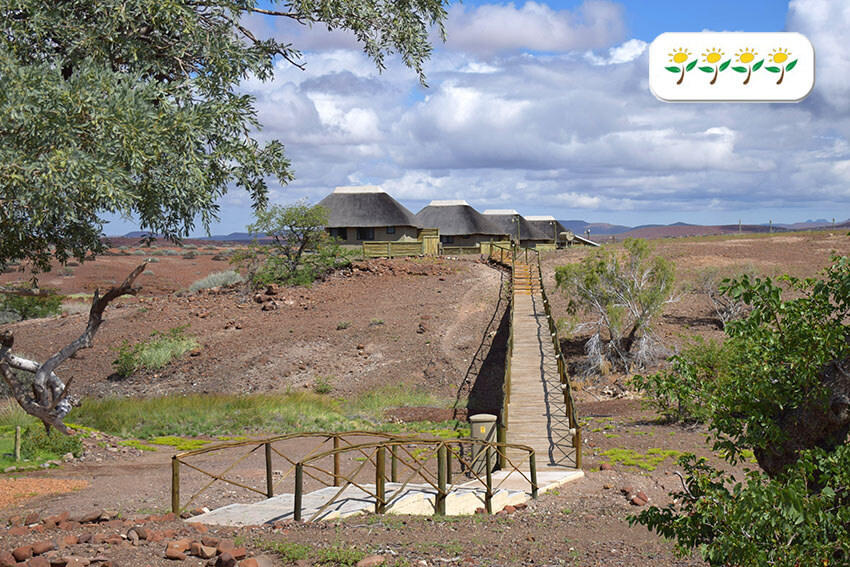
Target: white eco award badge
731,67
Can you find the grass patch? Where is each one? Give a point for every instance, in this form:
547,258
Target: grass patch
227,415
648,462
136,444
291,552
155,353
217,279
179,443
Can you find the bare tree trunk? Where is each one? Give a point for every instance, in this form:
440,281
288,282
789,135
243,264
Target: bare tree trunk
49,399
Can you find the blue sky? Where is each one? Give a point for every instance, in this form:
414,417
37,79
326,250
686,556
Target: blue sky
544,107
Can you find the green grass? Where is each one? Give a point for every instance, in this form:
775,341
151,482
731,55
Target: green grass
136,444
154,353
648,462
180,443
291,552
228,415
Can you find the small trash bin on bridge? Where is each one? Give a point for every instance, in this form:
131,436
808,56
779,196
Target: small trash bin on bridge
482,426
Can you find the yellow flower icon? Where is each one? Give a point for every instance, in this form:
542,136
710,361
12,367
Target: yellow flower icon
679,57
713,57
747,56
780,56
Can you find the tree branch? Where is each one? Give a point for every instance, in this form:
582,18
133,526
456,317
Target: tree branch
49,401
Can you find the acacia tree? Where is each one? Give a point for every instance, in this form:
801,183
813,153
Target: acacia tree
132,108
300,250
624,292
785,396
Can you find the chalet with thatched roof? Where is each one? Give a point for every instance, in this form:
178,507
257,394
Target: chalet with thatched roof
366,213
513,223
458,223
562,235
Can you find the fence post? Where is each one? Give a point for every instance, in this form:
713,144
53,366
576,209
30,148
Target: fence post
440,499
449,454
488,496
532,469
393,464
299,491
269,481
336,461
17,443
577,443
380,479
175,484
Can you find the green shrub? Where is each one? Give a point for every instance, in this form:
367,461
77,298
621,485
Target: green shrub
322,386
32,307
154,354
171,252
36,443
190,247
137,253
217,279
683,392
157,253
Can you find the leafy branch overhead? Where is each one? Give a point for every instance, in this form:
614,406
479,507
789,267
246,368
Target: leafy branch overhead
110,107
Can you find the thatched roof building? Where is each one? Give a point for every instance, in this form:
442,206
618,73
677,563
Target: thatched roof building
548,225
459,224
509,221
367,213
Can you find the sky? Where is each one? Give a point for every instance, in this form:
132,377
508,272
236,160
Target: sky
545,107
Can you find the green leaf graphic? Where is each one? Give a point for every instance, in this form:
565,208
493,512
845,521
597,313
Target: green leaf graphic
740,69
725,64
773,69
673,69
791,65
706,69
758,65
691,65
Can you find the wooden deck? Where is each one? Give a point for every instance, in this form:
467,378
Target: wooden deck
536,412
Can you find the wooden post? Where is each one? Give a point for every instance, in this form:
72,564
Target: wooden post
448,465
175,485
532,468
18,443
440,499
393,464
502,437
336,461
299,491
380,480
577,443
269,481
488,496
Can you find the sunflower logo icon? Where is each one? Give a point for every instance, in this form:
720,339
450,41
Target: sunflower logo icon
679,57
747,56
713,57
780,56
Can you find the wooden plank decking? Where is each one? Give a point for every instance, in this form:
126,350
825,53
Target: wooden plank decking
537,414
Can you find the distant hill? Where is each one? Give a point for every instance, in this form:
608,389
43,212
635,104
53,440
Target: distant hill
580,227
233,236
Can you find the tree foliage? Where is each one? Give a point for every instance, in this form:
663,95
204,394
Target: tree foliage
300,251
132,108
625,292
785,396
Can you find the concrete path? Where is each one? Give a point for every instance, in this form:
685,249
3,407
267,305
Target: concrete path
463,499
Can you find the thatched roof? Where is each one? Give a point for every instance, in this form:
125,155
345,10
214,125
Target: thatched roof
365,206
542,222
456,218
506,219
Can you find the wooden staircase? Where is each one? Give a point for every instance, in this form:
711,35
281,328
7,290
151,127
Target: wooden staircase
526,279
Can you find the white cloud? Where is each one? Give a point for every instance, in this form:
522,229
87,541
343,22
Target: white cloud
571,134
827,25
492,28
623,53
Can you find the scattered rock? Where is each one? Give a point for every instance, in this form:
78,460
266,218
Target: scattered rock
627,490
173,553
32,518
642,496
7,559
22,553
509,509
42,547
637,501
225,560
371,561
250,562
39,561
606,467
